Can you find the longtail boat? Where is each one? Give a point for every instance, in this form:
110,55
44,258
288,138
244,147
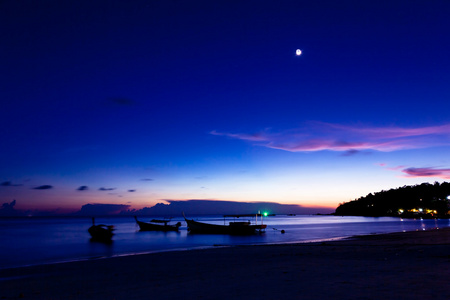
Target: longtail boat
234,228
157,225
101,232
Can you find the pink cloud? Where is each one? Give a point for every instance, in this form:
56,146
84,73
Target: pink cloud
392,132
385,165
412,172
427,172
319,136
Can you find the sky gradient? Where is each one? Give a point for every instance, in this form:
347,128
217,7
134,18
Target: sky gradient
135,103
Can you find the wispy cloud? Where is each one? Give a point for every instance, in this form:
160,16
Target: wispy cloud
106,189
319,136
412,172
255,137
43,187
9,183
427,172
397,168
82,188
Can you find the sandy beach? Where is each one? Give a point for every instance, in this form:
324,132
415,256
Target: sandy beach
410,265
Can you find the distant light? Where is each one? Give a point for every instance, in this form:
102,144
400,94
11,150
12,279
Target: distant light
298,52
265,214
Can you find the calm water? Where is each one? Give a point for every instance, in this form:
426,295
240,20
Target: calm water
31,241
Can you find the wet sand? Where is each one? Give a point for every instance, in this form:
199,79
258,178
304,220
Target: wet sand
411,265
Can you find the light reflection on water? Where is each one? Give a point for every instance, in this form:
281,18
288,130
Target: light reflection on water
29,241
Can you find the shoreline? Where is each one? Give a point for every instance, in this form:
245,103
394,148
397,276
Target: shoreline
182,250
170,250
413,265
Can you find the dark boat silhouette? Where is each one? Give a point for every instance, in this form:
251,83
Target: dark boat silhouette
101,232
157,225
233,228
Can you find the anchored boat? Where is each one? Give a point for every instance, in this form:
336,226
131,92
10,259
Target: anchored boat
157,225
234,228
101,232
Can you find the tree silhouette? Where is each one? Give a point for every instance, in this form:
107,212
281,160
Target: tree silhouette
424,200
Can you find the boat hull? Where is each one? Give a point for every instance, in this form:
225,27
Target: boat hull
237,228
144,226
101,232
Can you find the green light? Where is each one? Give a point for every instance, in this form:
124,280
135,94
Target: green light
265,214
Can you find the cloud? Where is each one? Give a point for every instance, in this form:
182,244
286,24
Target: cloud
8,210
147,179
397,168
98,209
221,207
319,136
43,187
427,172
9,205
106,189
256,137
131,191
8,183
82,188
412,172
351,152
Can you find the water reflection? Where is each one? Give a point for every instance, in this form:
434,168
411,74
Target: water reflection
98,249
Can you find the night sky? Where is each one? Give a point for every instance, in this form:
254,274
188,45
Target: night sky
138,102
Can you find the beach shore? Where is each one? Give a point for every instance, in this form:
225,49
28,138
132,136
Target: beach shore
409,265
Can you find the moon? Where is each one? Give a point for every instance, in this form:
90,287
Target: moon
298,52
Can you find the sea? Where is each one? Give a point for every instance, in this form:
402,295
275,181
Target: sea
27,241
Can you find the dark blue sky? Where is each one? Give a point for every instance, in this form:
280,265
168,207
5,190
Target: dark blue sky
143,101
